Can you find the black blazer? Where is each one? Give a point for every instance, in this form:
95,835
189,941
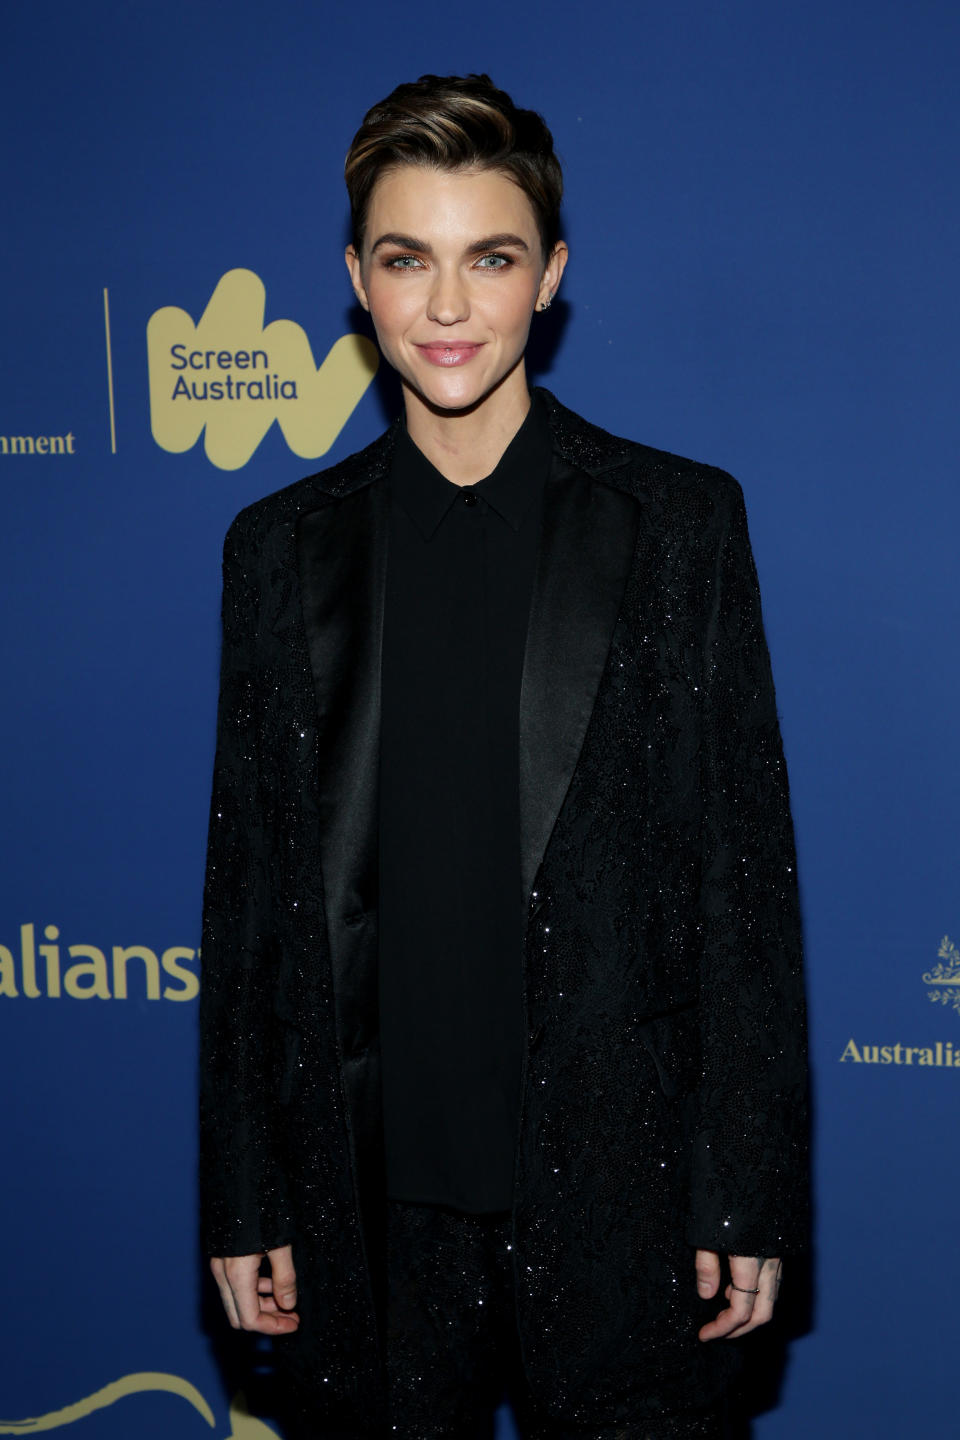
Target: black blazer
664,1075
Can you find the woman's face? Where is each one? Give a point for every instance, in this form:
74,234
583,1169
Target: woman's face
451,273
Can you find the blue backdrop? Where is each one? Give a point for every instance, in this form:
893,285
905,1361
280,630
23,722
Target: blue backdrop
762,216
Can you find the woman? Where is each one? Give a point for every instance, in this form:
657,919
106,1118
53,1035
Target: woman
454,1146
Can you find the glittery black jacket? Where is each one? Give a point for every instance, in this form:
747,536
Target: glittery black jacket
664,1076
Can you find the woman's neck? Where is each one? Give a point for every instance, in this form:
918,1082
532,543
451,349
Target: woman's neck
466,445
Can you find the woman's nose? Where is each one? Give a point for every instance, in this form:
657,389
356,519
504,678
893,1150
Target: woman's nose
448,300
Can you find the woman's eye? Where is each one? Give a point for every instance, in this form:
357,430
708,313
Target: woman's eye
412,262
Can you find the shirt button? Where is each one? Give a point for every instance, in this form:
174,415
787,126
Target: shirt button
469,498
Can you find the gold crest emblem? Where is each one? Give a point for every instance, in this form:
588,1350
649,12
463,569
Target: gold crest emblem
944,979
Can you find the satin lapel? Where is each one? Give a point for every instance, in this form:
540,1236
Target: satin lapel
341,556
342,552
586,548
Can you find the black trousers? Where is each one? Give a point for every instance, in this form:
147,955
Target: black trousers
453,1353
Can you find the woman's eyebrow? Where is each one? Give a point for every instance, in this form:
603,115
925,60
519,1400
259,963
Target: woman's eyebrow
489,242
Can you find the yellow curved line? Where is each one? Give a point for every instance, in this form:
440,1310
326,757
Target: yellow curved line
117,1390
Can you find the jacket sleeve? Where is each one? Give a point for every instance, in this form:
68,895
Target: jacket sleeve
243,1205
749,1181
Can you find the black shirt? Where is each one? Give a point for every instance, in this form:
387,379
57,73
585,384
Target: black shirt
459,578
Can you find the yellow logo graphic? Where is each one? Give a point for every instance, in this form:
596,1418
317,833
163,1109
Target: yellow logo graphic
232,376
243,1425
945,977
934,1056
83,972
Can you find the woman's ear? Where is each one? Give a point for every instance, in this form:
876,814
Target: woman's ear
353,266
551,276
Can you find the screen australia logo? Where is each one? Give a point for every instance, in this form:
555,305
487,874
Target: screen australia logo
231,376
942,982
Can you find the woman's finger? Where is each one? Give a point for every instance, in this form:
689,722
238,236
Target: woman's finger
226,1294
768,1285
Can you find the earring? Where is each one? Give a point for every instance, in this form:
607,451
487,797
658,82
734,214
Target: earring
546,303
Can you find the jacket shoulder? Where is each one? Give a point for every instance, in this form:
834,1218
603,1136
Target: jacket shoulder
694,494
642,470
281,509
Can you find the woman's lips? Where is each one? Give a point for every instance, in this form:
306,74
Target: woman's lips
452,354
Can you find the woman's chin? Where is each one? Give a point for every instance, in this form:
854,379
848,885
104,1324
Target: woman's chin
450,391
447,393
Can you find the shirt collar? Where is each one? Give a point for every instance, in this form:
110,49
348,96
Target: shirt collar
509,489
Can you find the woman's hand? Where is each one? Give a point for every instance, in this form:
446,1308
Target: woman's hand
745,1310
254,1301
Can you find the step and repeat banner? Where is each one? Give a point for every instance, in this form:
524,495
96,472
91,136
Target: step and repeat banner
762,214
